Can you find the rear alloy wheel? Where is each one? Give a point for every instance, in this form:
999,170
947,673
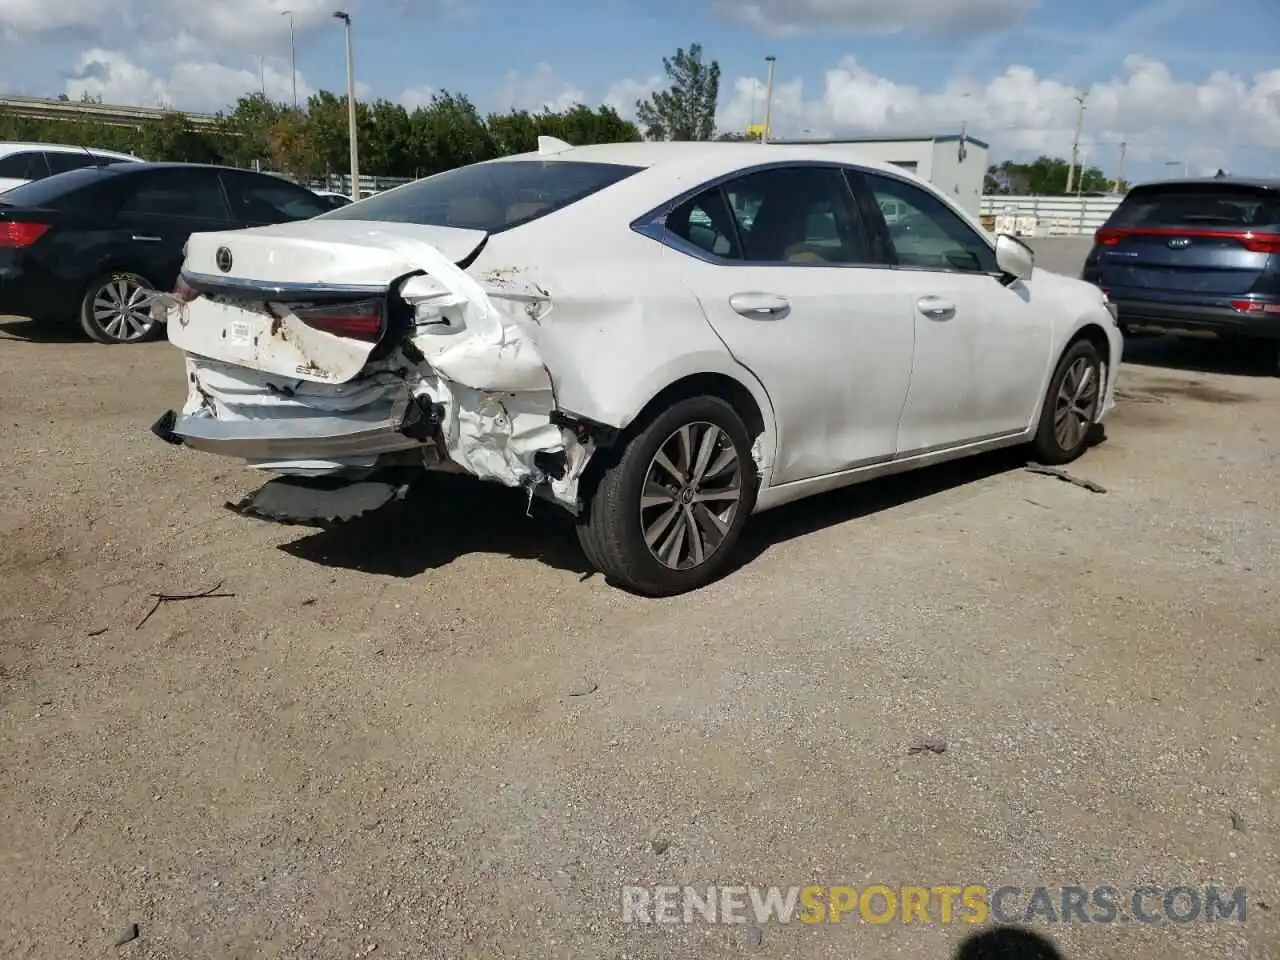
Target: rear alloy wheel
117,309
667,514
1075,393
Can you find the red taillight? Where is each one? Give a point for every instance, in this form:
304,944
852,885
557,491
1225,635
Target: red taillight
184,291
15,234
1252,240
355,321
1260,242
1254,306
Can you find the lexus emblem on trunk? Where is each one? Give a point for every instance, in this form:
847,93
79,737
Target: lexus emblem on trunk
223,259
1177,243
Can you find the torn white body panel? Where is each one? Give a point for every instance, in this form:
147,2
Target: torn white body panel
289,398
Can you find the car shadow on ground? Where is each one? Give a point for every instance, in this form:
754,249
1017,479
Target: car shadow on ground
1007,943
40,331
1242,359
445,517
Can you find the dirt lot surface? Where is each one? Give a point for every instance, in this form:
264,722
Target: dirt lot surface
430,735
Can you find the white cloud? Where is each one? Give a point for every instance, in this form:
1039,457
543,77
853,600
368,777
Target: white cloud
624,94
115,78
20,18
1158,114
415,97
538,89
789,17
219,24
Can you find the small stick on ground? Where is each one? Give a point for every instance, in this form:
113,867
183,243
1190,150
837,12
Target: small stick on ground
1065,477
163,598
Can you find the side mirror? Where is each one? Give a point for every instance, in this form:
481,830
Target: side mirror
1014,257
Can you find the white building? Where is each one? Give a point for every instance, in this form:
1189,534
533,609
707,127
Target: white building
954,163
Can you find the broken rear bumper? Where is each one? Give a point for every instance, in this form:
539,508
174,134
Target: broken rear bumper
405,423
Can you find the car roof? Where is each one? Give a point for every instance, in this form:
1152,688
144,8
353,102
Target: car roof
674,165
136,168
15,146
1263,183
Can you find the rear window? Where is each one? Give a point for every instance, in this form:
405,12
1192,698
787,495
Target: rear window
488,196
51,191
1199,206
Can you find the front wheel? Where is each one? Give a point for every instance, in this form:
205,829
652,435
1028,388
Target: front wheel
117,309
1075,394
666,515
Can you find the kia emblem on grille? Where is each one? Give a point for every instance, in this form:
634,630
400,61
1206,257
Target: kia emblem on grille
1179,243
223,259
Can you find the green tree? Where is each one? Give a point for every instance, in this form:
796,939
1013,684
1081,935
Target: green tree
1043,177
173,138
449,132
686,110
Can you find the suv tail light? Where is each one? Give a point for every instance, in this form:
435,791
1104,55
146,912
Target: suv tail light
1252,240
362,321
16,234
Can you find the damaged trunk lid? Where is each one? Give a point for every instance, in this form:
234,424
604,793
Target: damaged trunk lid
312,300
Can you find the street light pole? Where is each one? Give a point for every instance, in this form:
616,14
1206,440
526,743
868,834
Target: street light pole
1075,145
293,57
768,100
351,108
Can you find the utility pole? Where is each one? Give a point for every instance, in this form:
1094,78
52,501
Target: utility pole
352,129
1120,167
293,57
768,100
1075,144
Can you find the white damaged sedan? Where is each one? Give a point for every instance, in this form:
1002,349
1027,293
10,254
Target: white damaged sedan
662,338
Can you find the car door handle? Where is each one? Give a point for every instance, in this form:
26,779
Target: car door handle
144,238
935,307
760,306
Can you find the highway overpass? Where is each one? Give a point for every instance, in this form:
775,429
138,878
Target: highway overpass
40,108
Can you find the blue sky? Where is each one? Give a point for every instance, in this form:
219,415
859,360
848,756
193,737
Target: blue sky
1185,79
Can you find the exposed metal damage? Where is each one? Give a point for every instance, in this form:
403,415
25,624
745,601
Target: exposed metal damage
455,384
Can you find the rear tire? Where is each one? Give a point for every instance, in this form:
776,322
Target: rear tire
668,512
1070,406
109,312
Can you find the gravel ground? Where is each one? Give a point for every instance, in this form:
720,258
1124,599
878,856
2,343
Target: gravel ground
432,735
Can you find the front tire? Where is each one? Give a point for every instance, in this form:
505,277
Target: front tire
1071,405
116,309
667,513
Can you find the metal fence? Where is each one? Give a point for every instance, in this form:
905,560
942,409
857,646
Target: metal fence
1047,216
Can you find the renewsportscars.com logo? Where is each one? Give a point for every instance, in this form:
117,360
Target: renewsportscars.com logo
972,904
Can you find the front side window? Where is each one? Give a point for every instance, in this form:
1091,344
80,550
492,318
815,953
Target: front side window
492,197
924,232
264,199
178,194
28,165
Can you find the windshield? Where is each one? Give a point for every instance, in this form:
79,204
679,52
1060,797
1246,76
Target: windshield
51,190
488,196
1198,206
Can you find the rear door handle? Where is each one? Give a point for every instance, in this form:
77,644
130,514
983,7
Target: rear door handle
143,238
935,307
760,306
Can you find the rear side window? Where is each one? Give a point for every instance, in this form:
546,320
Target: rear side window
27,165
62,162
491,197
1198,206
178,194
54,191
